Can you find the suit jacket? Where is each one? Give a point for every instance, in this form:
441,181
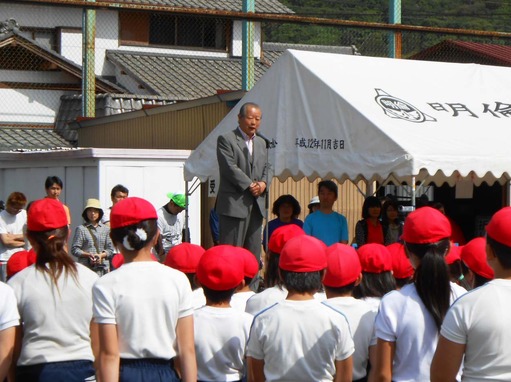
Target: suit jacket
237,171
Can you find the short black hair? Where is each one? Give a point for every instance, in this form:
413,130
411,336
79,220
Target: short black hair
502,251
330,185
302,282
369,202
245,106
218,296
375,285
344,290
289,199
119,188
51,180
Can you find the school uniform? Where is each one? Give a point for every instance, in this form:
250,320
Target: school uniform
221,336
56,343
321,333
360,316
144,300
404,319
480,321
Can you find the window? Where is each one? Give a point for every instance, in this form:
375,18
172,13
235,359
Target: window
158,29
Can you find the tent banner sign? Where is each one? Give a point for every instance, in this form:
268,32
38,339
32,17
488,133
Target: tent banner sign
397,108
319,144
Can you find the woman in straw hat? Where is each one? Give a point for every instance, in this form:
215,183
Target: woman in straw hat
92,245
55,303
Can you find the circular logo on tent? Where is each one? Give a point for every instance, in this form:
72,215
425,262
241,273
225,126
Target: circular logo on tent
397,108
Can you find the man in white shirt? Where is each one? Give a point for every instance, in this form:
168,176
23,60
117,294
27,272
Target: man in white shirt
13,222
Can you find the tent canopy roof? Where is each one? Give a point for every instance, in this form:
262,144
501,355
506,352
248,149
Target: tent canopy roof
365,118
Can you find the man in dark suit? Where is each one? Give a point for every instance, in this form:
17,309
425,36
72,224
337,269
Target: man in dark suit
244,174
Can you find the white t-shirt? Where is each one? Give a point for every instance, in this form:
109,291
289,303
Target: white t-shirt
264,299
171,227
198,299
221,336
270,296
300,340
144,299
14,224
9,315
360,316
239,300
404,319
56,322
480,320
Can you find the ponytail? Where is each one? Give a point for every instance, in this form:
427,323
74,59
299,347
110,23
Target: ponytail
432,279
52,256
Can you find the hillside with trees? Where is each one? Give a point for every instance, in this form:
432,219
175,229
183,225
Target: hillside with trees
486,15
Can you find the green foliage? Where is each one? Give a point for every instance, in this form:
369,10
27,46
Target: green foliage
487,15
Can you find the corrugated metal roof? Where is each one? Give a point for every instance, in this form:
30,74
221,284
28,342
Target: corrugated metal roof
30,137
450,50
182,78
106,104
261,6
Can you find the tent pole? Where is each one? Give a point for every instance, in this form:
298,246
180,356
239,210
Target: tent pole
413,191
186,230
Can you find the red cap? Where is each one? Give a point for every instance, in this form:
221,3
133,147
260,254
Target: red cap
184,257
46,215
499,227
118,260
454,254
19,261
375,258
281,235
221,267
303,253
131,211
473,255
343,266
251,265
426,225
401,265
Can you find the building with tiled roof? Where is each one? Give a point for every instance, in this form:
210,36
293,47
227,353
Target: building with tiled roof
466,52
30,138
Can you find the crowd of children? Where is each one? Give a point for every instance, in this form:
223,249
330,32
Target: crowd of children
327,313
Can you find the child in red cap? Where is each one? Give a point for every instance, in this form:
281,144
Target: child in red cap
402,269
221,332
251,269
185,258
300,338
343,273
376,262
476,270
408,322
476,328
274,290
55,303
144,309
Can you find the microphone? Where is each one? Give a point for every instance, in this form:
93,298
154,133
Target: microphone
268,142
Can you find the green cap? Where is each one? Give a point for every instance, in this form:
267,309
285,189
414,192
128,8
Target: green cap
178,199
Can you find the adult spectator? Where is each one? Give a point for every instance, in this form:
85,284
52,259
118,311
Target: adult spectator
13,222
244,178
325,224
287,209
118,193
370,229
170,221
54,186
92,245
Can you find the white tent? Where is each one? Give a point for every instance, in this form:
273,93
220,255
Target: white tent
352,117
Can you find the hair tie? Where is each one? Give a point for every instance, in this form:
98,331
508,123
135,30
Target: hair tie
127,244
142,235
51,237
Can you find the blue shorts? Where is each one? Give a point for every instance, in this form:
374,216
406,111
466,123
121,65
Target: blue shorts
67,371
147,369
